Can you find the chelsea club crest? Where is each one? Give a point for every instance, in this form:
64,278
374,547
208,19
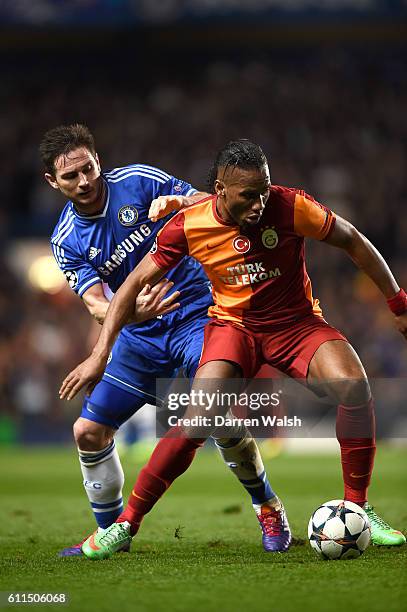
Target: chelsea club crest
128,215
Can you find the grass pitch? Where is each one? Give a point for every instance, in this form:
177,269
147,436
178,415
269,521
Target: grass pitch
200,548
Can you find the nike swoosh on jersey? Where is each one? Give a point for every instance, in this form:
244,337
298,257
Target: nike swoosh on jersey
215,244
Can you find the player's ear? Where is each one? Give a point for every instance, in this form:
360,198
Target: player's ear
51,180
97,161
219,188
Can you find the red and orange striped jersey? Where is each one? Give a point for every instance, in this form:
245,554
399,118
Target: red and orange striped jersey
258,274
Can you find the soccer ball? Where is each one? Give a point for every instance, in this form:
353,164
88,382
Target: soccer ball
339,530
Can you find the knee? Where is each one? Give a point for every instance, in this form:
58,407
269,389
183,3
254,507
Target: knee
353,391
90,436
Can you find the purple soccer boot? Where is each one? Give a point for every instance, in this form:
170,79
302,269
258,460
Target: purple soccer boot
274,525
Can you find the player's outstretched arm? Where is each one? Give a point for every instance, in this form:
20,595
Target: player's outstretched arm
367,258
89,372
164,205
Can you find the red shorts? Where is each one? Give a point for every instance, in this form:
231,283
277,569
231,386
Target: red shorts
289,349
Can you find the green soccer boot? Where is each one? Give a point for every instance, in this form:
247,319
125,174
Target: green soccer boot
105,542
382,533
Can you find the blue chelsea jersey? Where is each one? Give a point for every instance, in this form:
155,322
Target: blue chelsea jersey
106,247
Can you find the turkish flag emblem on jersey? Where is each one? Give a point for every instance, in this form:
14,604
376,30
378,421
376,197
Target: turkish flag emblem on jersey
241,244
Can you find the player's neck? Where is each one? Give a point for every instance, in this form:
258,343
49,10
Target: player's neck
223,213
97,207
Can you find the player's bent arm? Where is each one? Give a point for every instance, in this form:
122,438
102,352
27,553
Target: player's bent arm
123,304
96,302
164,205
367,258
89,372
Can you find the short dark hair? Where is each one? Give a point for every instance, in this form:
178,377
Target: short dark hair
63,139
238,153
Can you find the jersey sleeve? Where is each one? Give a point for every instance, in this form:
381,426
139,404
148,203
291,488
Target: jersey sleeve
176,186
79,273
312,219
171,244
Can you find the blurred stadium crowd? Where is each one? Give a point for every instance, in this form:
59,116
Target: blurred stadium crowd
331,122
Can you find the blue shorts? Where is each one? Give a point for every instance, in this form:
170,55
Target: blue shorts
172,343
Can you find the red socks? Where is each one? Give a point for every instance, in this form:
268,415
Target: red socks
355,430
171,457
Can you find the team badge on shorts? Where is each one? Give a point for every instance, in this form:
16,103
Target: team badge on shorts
72,278
269,238
128,215
241,244
154,248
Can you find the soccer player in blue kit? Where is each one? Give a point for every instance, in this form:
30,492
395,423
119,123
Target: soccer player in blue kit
102,234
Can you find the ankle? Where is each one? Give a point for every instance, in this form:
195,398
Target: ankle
273,502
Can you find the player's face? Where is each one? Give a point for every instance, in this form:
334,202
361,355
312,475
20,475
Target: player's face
242,194
77,176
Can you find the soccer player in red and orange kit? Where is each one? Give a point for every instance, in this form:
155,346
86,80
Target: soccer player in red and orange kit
249,237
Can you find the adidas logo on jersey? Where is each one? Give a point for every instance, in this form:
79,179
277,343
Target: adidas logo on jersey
93,251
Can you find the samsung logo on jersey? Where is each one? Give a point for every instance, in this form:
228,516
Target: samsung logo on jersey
126,246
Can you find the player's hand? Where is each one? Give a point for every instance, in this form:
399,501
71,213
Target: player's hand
401,324
151,301
86,374
163,205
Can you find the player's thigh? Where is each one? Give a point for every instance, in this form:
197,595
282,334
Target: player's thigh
136,362
337,370
214,388
186,342
192,350
110,406
140,366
